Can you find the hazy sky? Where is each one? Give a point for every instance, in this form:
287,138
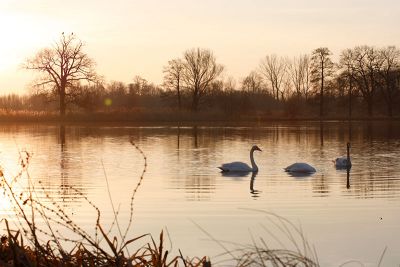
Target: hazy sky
128,38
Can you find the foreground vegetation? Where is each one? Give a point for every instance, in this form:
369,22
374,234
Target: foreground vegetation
26,242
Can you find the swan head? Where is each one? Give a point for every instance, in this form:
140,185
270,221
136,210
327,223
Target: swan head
256,148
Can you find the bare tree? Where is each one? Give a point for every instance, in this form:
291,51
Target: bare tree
390,75
347,64
200,69
229,84
321,68
140,86
62,66
299,73
368,63
294,71
306,76
273,68
173,75
252,83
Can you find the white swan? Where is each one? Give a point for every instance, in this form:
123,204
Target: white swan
300,167
344,161
238,166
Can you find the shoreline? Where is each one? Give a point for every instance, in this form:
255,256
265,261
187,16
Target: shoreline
178,119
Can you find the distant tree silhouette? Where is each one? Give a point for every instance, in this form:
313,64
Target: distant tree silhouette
200,70
273,68
347,64
90,97
305,87
321,68
390,75
368,63
62,66
141,86
299,74
173,75
252,83
117,92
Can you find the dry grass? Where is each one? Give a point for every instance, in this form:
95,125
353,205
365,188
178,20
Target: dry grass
294,247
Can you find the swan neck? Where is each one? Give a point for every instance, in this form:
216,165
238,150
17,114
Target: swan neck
253,163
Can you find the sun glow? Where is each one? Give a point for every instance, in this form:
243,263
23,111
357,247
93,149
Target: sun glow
12,42
22,35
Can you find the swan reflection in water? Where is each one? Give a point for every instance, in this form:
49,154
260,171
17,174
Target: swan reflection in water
300,174
347,175
348,178
254,192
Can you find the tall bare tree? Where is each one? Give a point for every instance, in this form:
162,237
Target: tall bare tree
321,69
200,69
62,66
347,64
273,68
173,75
299,73
390,74
368,63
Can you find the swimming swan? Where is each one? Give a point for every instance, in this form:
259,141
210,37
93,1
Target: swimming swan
344,161
300,167
238,166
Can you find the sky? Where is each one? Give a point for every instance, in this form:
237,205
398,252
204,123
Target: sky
127,37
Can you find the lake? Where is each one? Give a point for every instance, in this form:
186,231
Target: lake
351,216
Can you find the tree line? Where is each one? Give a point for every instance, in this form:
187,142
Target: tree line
364,82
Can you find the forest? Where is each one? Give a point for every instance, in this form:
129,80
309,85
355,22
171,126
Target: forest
364,83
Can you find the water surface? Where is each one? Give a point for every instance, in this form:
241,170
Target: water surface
346,216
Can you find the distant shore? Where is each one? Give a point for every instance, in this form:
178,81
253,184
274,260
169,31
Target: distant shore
180,118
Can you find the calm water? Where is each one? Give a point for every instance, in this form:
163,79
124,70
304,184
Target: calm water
346,217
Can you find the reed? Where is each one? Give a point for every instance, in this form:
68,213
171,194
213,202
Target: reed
294,248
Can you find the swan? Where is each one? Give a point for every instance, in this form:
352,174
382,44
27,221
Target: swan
344,161
300,167
238,166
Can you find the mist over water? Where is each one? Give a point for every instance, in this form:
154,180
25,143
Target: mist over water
346,216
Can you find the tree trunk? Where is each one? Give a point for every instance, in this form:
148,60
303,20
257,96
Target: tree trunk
195,101
321,95
62,102
350,96
179,95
